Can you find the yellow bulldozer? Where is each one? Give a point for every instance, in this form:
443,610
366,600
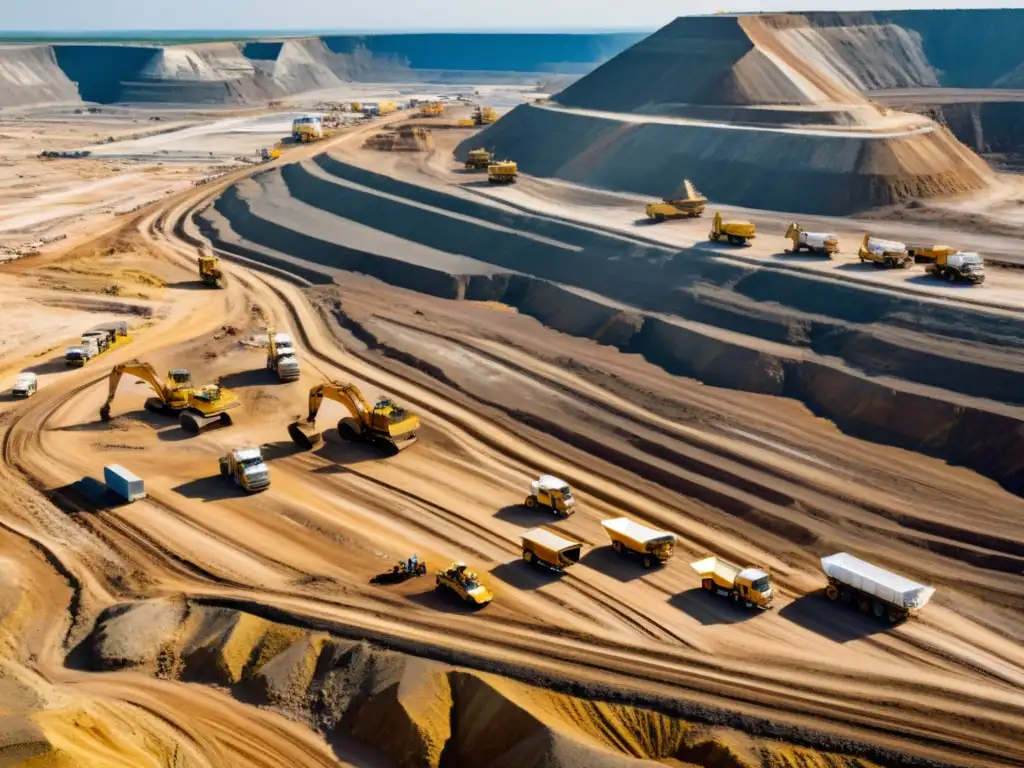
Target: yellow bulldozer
209,270
504,172
432,109
478,160
196,407
484,116
384,423
734,232
686,203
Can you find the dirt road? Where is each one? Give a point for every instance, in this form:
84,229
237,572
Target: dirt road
753,478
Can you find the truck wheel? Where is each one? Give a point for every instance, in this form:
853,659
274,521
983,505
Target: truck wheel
659,218
735,240
617,546
531,502
831,592
879,610
647,561
895,617
527,555
736,598
707,584
951,275
223,469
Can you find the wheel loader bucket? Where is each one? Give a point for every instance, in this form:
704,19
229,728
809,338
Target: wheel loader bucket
305,435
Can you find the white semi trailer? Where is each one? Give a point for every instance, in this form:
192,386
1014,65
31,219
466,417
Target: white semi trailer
874,590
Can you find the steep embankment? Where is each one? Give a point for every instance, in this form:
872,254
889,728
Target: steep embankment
31,75
750,107
416,711
880,365
258,70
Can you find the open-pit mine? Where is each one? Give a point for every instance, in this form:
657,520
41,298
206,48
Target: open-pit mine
394,401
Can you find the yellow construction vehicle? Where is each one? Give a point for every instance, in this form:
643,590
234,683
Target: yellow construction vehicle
631,538
812,242
949,263
749,586
209,270
432,109
385,423
464,583
735,232
197,407
266,155
484,116
504,172
548,491
246,468
465,123
883,253
547,548
478,160
308,128
686,203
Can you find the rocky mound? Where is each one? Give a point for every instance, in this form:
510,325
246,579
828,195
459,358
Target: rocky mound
768,111
415,711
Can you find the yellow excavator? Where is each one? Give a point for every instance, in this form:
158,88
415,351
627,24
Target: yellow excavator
384,423
197,407
735,232
209,270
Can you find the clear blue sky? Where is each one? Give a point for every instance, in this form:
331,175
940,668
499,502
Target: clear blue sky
397,15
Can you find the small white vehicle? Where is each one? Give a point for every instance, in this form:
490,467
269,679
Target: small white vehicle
26,385
247,469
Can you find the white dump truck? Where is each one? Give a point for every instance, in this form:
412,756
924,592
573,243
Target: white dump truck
884,594
632,538
884,253
281,356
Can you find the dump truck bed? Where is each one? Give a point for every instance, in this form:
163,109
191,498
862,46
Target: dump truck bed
717,566
635,534
549,540
875,581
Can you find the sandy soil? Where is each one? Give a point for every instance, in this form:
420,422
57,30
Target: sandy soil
200,627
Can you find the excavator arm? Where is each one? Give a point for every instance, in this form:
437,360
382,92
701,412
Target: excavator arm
386,424
140,370
346,394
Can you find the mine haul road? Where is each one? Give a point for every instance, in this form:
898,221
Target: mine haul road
947,688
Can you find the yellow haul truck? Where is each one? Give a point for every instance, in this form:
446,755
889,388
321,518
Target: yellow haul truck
686,203
734,232
504,172
747,586
210,272
630,538
553,493
948,263
547,548
478,160
883,253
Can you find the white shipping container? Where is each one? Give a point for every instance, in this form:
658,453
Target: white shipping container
124,483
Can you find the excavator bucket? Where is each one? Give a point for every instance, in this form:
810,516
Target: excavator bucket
105,412
305,435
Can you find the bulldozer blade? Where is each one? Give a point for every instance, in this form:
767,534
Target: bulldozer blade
304,435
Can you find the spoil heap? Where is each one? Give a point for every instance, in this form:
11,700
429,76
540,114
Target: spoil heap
766,111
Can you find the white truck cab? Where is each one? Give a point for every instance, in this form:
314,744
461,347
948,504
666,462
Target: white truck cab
26,385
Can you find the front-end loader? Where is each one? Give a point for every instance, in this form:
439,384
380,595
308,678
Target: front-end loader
384,423
686,203
197,407
209,270
734,232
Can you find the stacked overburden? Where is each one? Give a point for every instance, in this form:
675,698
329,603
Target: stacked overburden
769,111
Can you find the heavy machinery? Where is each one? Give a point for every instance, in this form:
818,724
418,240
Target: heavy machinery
686,203
95,342
246,468
410,568
551,492
197,407
812,242
547,548
308,128
883,253
478,160
26,385
749,586
735,232
385,423
266,155
209,270
950,264
281,357
432,109
503,172
632,538
484,116
873,590
465,584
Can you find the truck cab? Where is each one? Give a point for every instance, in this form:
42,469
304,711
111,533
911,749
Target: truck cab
744,586
282,358
246,467
553,493
754,587
78,355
